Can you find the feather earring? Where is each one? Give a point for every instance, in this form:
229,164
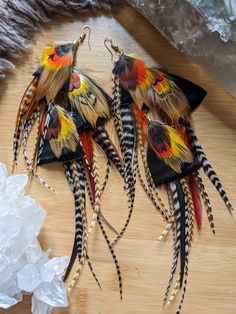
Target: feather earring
124,120
68,137
170,151
71,111
52,74
89,102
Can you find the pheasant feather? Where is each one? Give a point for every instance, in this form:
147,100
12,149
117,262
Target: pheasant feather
168,145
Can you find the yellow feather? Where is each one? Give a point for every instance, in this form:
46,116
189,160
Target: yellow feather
67,125
68,136
45,54
89,101
168,97
180,152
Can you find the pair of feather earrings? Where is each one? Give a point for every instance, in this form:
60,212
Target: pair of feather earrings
71,111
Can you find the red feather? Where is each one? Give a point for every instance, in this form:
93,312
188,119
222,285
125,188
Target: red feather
90,178
142,121
182,130
194,189
87,143
141,71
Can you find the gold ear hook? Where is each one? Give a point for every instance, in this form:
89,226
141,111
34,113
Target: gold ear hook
105,44
114,47
89,34
82,37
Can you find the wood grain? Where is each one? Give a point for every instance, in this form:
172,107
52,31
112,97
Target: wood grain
145,263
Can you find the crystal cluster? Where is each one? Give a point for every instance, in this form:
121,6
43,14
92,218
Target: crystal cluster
24,267
202,29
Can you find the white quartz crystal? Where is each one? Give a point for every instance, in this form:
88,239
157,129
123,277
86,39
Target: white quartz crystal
24,266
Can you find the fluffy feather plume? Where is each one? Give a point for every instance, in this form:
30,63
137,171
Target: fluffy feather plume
168,145
90,101
61,133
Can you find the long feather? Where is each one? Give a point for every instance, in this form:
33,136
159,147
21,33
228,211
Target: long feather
97,194
91,194
106,178
31,121
127,144
81,228
208,169
23,109
196,196
96,208
178,234
87,144
169,226
187,223
190,206
151,190
71,180
102,138
115,108
111,248
142,122
183,227
206,201
44,130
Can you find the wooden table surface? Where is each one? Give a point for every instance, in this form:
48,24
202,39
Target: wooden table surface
145,263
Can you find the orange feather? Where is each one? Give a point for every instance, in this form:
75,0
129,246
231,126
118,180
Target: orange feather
87,143
142,121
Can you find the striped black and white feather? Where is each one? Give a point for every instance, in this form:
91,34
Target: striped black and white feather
208,169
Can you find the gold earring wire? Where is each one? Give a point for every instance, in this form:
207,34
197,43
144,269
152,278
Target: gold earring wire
82,37
114,47
89,34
